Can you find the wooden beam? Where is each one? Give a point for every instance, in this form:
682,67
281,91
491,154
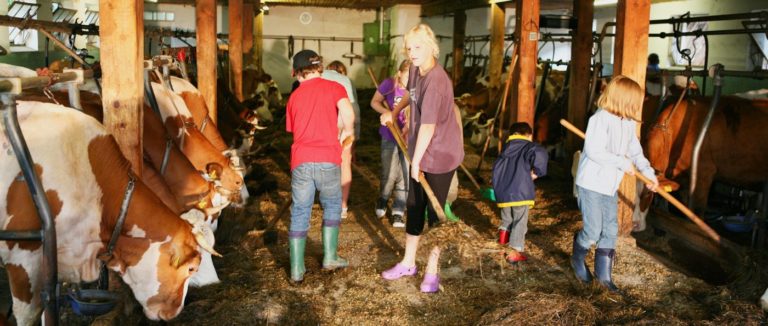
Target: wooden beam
205,20
580,70
630,59
527,13
441,7
496,53
258,39
248,15
236,47
459,31
122,46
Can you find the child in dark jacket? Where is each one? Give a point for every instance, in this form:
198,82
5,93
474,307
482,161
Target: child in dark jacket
521,162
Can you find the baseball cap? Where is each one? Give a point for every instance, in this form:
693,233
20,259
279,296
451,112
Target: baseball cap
302,59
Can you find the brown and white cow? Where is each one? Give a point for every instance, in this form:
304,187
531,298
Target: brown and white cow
187,188
203,155
84,176
731,152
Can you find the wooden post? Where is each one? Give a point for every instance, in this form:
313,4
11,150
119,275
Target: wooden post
580,70
527,13
236,46
630,59
247,32
122,46
258,36
496,54
205,19
459,30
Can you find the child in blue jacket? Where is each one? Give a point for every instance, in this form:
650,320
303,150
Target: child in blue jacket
521,162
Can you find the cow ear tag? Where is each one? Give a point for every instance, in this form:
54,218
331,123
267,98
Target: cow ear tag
213,175
202,204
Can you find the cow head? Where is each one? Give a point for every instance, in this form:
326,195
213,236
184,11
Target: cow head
158,272
667,140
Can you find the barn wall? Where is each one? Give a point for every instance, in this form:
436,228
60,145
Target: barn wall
326,22
729,50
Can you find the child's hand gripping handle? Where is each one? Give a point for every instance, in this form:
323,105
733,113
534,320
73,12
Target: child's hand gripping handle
432,199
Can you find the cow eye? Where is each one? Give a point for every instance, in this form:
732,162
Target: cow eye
192,269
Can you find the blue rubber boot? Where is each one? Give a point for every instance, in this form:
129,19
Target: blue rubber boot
577,261
603,266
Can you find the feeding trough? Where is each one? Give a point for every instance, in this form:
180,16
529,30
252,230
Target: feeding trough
92,302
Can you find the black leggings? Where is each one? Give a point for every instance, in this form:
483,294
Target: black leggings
418,201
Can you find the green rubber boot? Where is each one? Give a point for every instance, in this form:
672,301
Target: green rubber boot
331,259
296,246
448,214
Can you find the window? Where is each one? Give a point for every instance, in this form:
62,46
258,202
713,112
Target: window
91,17
23,39
693,47
758,44
159,16
61,14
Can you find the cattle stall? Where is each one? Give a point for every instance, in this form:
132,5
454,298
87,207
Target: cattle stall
208,146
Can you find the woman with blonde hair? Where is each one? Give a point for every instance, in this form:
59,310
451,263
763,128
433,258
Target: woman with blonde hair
610,149
394,168
435,145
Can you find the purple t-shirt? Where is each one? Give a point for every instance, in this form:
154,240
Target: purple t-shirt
431,100
392,95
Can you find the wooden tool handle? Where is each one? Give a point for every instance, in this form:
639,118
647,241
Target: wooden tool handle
688,213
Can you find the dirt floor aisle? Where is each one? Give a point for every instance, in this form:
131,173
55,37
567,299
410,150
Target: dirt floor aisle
476,287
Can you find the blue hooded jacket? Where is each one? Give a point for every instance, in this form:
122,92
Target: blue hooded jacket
512,182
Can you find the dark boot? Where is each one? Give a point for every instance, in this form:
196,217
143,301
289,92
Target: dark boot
603,266
296,248
577,261
503,237
331,259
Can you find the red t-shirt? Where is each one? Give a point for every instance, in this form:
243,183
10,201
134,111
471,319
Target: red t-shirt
312,116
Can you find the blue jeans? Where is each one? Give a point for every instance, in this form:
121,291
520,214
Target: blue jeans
394,177
599,213
305,180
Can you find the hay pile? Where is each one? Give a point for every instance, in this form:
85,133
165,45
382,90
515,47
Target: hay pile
459,243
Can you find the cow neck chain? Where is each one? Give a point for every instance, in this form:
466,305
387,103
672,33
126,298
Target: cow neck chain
121,217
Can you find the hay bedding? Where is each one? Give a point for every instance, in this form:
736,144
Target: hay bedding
477,286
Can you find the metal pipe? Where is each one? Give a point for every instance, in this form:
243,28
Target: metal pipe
698,33
150,93
540,93
745,16
706,64
74,96
36,235
718,85
49,263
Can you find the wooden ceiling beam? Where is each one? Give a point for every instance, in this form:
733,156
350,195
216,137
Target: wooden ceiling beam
439,7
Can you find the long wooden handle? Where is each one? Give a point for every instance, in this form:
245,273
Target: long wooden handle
688,213
427,189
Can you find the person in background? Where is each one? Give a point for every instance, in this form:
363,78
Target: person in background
653,83
521,162
394,168
435,145
610,149
312,116
336,71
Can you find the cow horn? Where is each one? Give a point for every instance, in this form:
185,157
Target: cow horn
201,230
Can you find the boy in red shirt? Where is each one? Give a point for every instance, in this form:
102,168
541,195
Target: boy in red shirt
312,114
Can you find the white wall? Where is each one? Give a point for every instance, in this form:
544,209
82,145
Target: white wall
326,22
